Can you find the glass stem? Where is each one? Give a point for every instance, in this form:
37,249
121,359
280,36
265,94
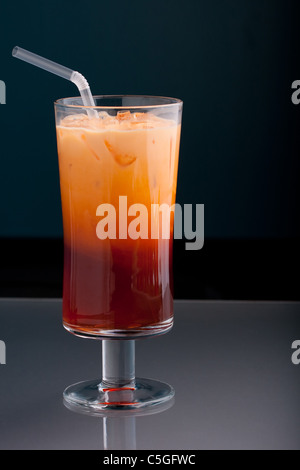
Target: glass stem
119,433
118,363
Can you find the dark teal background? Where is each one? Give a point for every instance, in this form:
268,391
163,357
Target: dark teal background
232,63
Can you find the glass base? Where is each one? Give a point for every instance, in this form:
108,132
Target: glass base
93,396
133,333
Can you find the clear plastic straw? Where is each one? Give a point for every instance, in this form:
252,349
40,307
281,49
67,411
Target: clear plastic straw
61,71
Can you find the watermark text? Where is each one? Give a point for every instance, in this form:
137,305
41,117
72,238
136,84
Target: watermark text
296,94
2,352
2,92
296,354
139,221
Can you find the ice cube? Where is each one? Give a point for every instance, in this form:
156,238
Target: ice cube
103,115
122,158
122,115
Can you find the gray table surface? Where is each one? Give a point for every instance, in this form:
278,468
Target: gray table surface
229,362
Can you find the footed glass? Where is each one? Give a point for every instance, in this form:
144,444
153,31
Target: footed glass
118,177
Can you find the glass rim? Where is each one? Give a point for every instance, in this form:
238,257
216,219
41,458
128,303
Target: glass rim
166,102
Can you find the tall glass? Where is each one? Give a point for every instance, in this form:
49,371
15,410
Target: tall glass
118,176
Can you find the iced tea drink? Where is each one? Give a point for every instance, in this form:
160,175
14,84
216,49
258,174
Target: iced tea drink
118,285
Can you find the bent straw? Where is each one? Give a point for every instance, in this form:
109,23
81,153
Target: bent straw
62,71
